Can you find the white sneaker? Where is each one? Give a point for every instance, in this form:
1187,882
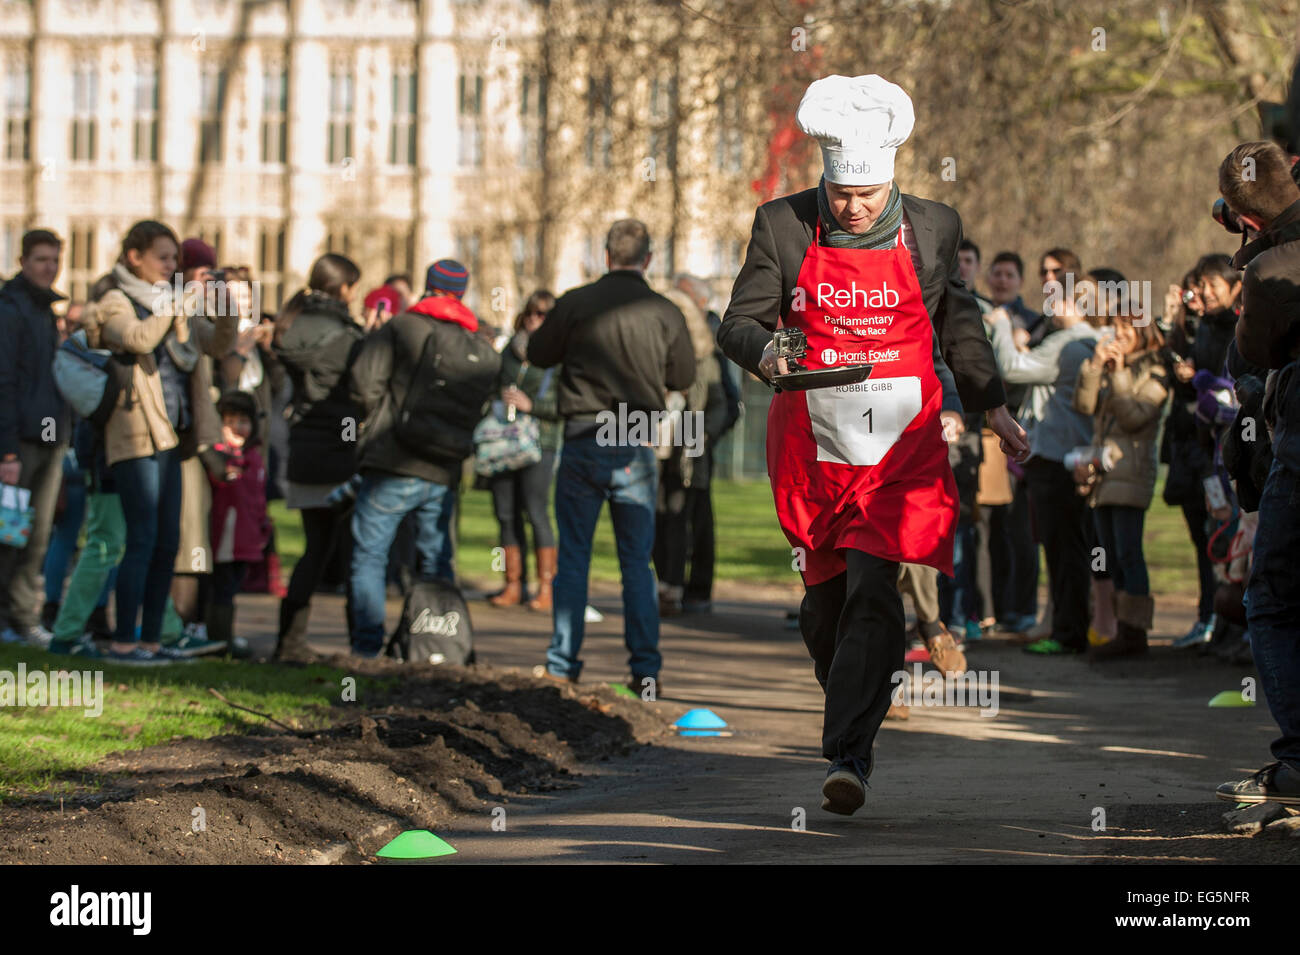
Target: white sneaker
36,636
592,615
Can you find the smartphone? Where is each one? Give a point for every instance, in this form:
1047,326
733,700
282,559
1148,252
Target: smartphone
1214,493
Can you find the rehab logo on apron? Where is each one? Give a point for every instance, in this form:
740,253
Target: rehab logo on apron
863,466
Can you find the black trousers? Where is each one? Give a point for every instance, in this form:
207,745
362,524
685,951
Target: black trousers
1197,516
1065,529
699,507
328,534
854,628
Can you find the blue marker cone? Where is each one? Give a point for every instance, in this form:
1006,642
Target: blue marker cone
700,723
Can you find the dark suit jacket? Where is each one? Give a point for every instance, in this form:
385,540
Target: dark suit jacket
783,230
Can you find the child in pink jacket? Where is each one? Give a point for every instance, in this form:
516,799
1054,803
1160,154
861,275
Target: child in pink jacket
240,526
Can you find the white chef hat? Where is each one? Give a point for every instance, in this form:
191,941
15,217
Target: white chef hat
860,121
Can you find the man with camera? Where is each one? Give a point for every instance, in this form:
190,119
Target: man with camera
1258,187
859,468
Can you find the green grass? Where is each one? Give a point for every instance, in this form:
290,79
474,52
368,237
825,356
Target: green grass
42,748
750,545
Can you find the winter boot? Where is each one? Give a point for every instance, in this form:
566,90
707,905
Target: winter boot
546,564
1133,613
291,646
514,592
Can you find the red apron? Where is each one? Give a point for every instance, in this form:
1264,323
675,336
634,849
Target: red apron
863,466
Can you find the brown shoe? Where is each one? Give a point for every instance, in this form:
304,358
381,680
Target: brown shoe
514,591
542,673
546,564
635,684
945,654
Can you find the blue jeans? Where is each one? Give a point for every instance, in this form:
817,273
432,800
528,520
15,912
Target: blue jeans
150,489
1273,607
958,600
627,477
1119,532
384,499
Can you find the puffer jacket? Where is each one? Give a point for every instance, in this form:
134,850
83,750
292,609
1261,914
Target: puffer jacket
139,426
317,351
1126,404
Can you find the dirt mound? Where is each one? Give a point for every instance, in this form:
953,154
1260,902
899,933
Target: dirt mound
437,743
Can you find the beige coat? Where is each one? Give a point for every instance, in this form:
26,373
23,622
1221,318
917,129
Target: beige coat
139,428
1126,405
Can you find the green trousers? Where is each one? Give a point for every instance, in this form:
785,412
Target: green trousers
105,545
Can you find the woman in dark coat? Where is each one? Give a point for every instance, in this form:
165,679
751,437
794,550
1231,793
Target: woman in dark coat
316,339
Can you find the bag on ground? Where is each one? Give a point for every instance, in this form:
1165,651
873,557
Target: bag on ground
435,626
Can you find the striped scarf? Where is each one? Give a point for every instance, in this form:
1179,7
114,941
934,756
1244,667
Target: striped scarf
883,233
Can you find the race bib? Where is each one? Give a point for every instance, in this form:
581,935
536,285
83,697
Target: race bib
858,424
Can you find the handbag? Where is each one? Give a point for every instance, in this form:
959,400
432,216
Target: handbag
506,441
15,515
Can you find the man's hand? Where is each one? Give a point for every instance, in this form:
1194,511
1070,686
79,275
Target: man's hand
953,426
11,470
771,365
1014,443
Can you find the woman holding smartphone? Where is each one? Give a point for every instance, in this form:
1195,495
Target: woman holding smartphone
1124,386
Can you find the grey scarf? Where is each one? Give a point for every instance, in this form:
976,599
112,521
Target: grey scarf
883,233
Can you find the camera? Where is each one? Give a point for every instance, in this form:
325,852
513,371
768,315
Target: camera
1226,217
790,344
219,275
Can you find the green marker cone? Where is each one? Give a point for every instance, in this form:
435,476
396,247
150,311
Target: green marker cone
1231,698
415,844
622,690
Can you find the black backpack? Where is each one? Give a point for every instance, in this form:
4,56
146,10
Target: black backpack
453,380
435,626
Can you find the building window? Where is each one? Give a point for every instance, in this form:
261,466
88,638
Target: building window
275,107
85,104
467,253
339,241
663,94
18,112
730,152
11,241
727,257
471,120
342,114
401,251
212,100
146,112
80,261
532,115
270,265
600,112
401,138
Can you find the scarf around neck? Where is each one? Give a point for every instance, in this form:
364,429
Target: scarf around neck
156,298
883,232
